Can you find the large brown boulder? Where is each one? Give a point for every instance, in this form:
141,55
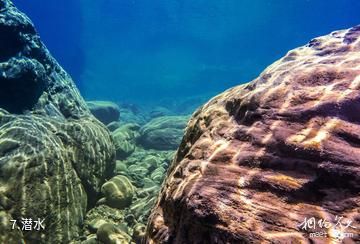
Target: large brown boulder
259,159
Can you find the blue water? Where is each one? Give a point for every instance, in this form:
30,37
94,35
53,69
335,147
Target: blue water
169,51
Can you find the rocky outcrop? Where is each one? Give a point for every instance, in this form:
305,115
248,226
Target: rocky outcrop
163,133
104,111
259,159
54,155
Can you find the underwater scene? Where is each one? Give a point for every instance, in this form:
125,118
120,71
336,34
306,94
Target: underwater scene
179,121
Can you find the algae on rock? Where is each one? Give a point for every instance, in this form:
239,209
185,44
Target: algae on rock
125,139
54,153
113,125
118,192
110,234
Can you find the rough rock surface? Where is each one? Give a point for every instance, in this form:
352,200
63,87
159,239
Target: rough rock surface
53,152
260,158
118,192
104,111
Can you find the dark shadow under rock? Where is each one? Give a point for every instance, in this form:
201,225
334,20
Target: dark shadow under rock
22,83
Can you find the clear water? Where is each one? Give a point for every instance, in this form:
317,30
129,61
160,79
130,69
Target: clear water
157,59
174,51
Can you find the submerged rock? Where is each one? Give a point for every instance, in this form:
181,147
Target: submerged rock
158,175
121,167
125,140
141,207
143,171
114,125
102,214
53,152
131,113
118,192
104,111
139,233
7,235
144,163
91,239
163,133
159,112
259,159
110,234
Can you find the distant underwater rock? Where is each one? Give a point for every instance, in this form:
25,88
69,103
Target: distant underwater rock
163,133
104,111
131,113
114,125
185,105
159,112
125,139
261,158
53,152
